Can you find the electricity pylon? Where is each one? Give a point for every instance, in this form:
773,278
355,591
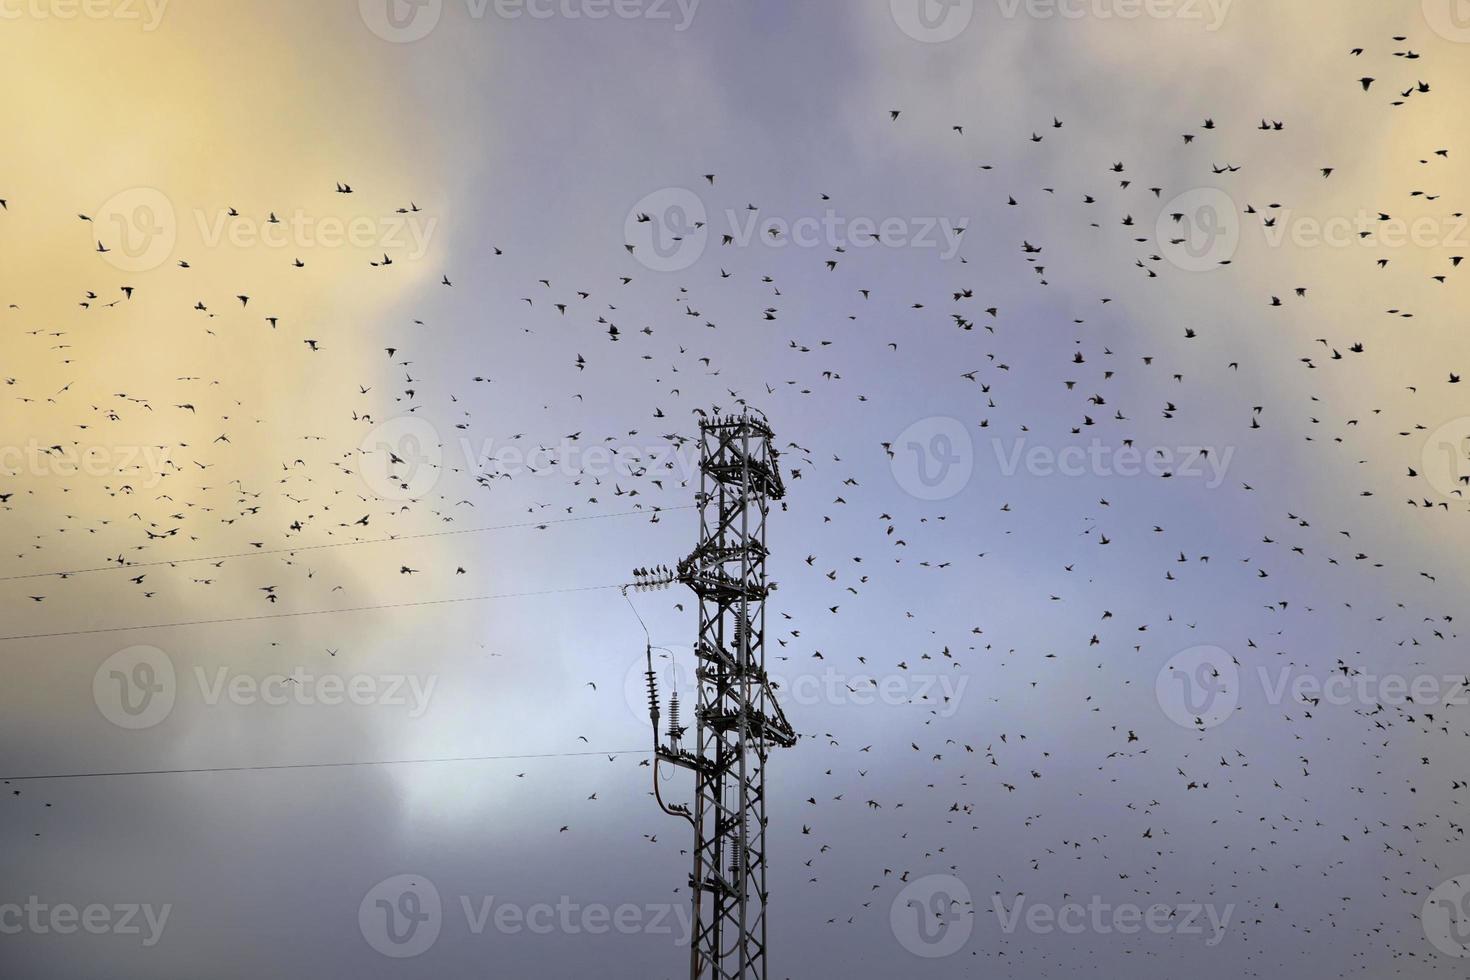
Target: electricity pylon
738,719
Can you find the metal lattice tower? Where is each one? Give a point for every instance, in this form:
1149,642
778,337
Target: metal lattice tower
738,719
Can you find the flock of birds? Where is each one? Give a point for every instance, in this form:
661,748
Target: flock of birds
931,789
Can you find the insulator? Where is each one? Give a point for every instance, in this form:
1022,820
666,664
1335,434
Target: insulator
735,861
674,727
652,693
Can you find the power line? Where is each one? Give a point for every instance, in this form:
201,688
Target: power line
322,765
309,612
341,544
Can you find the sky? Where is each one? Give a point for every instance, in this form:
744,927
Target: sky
352,354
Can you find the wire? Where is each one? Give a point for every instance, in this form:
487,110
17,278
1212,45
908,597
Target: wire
308,612
635,613
321,765
343,544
